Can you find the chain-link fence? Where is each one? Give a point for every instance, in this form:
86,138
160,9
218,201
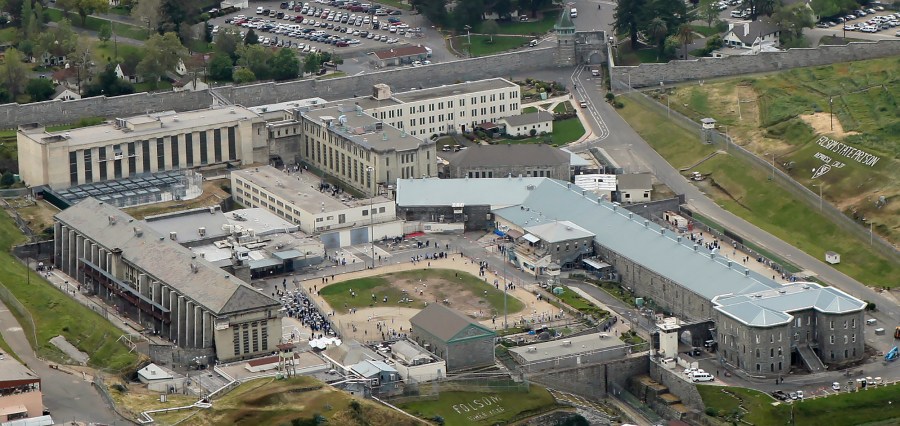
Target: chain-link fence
11,302
797,190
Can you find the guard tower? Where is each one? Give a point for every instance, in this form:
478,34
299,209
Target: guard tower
565,38
707,129
668,337
286,363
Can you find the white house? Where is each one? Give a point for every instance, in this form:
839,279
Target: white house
523,124
128,73
64,93
748,34
189,84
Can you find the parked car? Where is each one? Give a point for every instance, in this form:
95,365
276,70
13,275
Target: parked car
836,386
780,395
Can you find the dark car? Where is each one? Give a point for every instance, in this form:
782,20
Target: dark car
395,12
780,395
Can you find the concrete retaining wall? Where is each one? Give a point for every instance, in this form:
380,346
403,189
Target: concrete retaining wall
684,389
593,381
401,79
645,75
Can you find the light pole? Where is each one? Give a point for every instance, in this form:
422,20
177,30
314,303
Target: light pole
505,283
831,111
662,87
820,185
369,171
468,34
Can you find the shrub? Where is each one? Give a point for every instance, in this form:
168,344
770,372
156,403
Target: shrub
610,96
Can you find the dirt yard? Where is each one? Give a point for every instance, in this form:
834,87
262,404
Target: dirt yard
363,323
821,123
212,195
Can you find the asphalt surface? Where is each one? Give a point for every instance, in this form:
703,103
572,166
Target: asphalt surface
69,397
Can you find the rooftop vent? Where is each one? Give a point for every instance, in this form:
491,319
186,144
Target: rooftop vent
630,215
646,223
696,247
173,236
138,231
729,263
662,231
678,239
746,272
112,220
712,255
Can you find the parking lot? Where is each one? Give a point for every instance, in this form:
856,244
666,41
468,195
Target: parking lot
868,23
322,27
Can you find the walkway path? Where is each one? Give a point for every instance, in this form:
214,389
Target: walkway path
68,393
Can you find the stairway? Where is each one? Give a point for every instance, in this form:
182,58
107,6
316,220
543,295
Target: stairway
810,359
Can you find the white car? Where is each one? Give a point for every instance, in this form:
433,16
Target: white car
836,386
259,10
800,394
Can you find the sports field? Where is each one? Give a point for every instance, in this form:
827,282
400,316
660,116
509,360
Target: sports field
413,289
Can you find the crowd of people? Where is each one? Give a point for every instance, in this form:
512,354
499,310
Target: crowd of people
298,306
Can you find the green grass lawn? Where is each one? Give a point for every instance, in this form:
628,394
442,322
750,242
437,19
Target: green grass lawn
534,27
642,56
856,408
56,314
564,131
461,408
581,304
563,107
147,86
482,45
704,30
94,23
104,53
746,191
8,35
396,4
340,299
527,110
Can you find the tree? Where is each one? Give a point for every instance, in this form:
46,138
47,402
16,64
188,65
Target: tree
311,64
14,72
104,33
7,179
60,40
434,10
251,37
467,12
285,65
503,8
243,75
40,89
161,55
490,27
709,11
186,34
148,12
792,19
84,7
628,18
221,68
656,31
685,34
256,58
534,6
831,7
27,21
227,42
109,84
83,63
759,7
177,11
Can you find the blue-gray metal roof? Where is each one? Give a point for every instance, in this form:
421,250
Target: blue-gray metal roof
788,298
479,192
632,238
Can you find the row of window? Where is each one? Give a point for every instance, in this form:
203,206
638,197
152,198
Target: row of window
250,337
129,152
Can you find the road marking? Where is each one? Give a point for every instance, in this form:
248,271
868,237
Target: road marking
14,329
592,110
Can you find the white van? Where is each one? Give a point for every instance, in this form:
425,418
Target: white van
573,13
702,377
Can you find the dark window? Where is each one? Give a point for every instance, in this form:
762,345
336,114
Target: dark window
117,169
189,149
176,163
73,167
88,167
203,148
132,159
160,154
101,158
217,145
146,155
232,144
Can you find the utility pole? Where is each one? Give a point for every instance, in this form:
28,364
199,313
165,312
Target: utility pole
369,171
505,255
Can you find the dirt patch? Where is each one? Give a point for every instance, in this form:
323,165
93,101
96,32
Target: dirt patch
821,123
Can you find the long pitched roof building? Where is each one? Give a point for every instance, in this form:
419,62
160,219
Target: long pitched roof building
163,285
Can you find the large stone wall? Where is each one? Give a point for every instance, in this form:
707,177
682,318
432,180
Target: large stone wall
645,75
684,389
593,381
401,79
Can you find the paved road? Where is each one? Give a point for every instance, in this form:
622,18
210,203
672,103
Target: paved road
635,154
69,398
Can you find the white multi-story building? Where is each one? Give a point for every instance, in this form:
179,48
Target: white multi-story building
338,218
143,144
455,107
